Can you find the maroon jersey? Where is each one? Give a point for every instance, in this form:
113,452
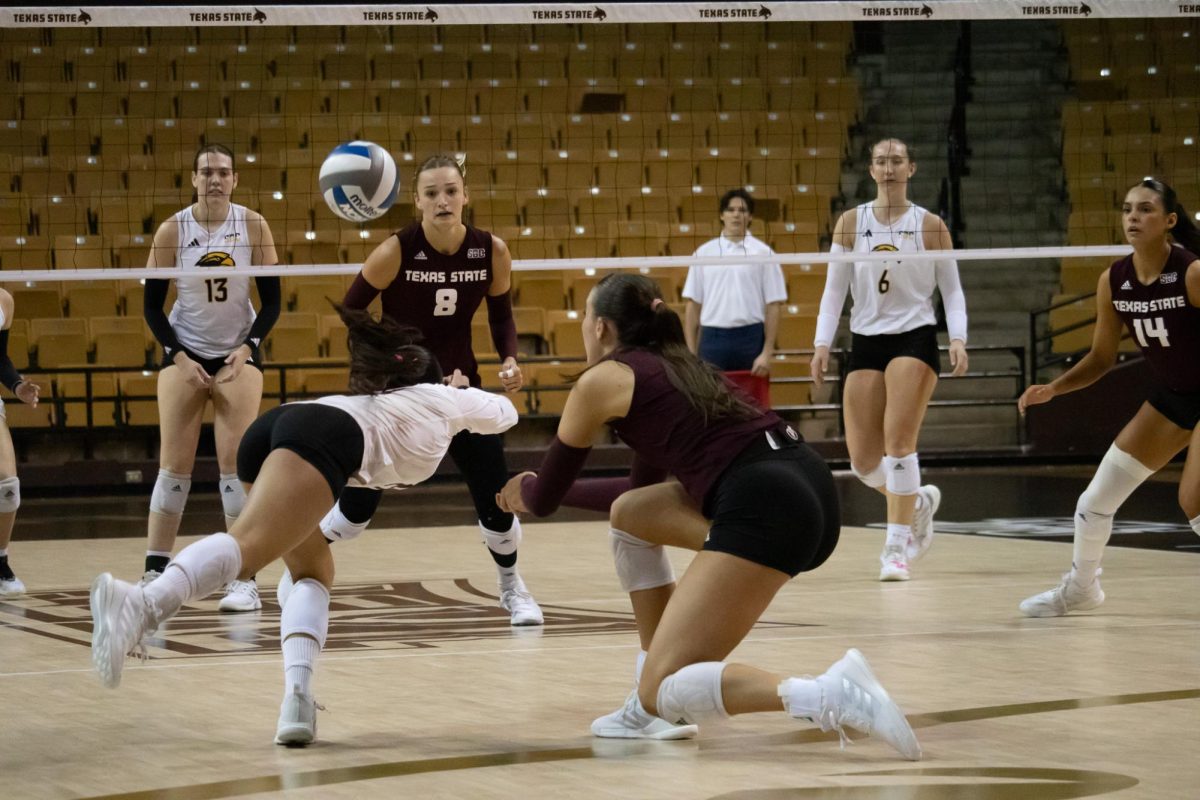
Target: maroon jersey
665,430
1163,323
440,293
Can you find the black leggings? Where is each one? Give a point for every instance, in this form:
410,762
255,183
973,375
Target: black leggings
480,459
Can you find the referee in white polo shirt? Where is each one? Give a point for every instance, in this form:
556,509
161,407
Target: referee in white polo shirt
733,308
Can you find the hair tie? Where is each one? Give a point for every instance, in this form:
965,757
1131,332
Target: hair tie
399,358
655,303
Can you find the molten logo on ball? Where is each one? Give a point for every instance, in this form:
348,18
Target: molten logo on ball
359,181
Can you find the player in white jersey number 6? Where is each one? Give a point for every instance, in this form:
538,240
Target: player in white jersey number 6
393,429
894,360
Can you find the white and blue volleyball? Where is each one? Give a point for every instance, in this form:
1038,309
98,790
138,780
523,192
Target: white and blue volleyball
359,181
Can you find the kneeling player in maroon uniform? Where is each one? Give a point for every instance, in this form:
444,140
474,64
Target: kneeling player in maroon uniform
1155,293
757,502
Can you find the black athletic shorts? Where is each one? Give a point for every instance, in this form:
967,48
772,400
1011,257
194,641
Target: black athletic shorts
1182,409
324,436
775,507
210,365
876,352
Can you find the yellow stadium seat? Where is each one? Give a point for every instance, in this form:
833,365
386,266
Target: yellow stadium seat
796,329
72,390
540,289
31,303
142,411
92,300
115,349
62,350
292,344
788,393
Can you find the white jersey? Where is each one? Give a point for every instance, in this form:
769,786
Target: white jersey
736,294
212,316
407,432
891,296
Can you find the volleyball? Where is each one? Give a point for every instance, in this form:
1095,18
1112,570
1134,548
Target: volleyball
359,181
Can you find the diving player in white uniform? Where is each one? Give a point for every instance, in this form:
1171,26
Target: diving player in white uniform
392,430
210,350
894,360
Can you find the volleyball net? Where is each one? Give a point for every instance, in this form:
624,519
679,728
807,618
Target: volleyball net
598,136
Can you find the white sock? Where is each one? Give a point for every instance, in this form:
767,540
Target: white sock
3,552
637,670
1195,523
509,577
199,570
898,535
1083,573
303,626
801,697
299,663
1092,532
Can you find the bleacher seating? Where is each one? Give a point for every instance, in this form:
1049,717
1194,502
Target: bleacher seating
583,141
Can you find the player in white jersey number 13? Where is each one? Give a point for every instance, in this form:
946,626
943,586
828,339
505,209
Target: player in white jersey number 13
210,347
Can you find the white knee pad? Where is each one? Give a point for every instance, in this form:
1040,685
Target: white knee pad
903,474
170,493
1118,475
874,478
502,544
10,495
640,565
233,496
693,694
336,527
306,611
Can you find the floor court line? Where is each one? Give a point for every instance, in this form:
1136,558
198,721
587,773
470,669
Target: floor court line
339,775
328,658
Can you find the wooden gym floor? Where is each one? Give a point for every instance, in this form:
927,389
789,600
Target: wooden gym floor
431,694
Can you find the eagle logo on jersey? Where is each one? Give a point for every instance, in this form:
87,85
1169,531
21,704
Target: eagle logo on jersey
216,259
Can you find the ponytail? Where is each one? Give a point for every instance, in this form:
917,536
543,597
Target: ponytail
384,354
643,321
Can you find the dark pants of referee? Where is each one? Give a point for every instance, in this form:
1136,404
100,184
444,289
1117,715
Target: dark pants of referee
730,349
